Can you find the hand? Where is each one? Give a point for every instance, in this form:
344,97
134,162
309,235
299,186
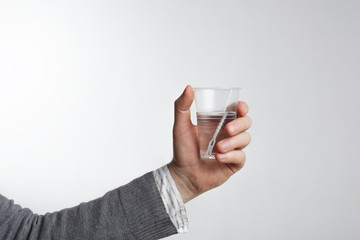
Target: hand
192,174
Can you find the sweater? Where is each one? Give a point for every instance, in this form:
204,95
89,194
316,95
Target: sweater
132,211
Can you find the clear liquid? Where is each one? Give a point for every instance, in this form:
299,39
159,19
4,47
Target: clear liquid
207,124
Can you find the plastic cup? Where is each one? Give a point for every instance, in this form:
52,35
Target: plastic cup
215,107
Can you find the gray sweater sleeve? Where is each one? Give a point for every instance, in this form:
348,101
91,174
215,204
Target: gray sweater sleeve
133,211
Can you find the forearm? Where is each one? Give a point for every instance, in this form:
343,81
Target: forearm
133,211
88,220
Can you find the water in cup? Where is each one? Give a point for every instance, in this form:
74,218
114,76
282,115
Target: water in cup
215,107
211,127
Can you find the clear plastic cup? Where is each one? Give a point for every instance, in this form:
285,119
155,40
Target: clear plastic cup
215,107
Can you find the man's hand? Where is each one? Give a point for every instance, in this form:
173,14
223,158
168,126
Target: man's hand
192,174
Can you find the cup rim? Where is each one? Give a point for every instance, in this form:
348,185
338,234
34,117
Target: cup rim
216,88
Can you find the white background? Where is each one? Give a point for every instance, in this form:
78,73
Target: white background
86,105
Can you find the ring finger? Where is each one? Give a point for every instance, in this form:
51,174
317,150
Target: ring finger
236,142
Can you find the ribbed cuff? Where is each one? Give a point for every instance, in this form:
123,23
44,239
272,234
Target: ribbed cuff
144,209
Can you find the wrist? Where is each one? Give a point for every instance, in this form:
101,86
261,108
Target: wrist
183,184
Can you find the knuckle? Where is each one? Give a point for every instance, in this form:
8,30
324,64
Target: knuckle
176,102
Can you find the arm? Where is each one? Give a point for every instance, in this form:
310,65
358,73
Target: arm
136,210
133,211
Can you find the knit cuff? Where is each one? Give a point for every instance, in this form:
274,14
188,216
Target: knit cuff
144,209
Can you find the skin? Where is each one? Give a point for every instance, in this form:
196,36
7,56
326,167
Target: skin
189,171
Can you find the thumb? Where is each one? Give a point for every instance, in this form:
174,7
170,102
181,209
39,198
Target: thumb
182,107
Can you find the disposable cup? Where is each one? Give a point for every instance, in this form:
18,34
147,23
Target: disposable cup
215,107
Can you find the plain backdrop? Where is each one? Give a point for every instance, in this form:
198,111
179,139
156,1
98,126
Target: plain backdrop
86,105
